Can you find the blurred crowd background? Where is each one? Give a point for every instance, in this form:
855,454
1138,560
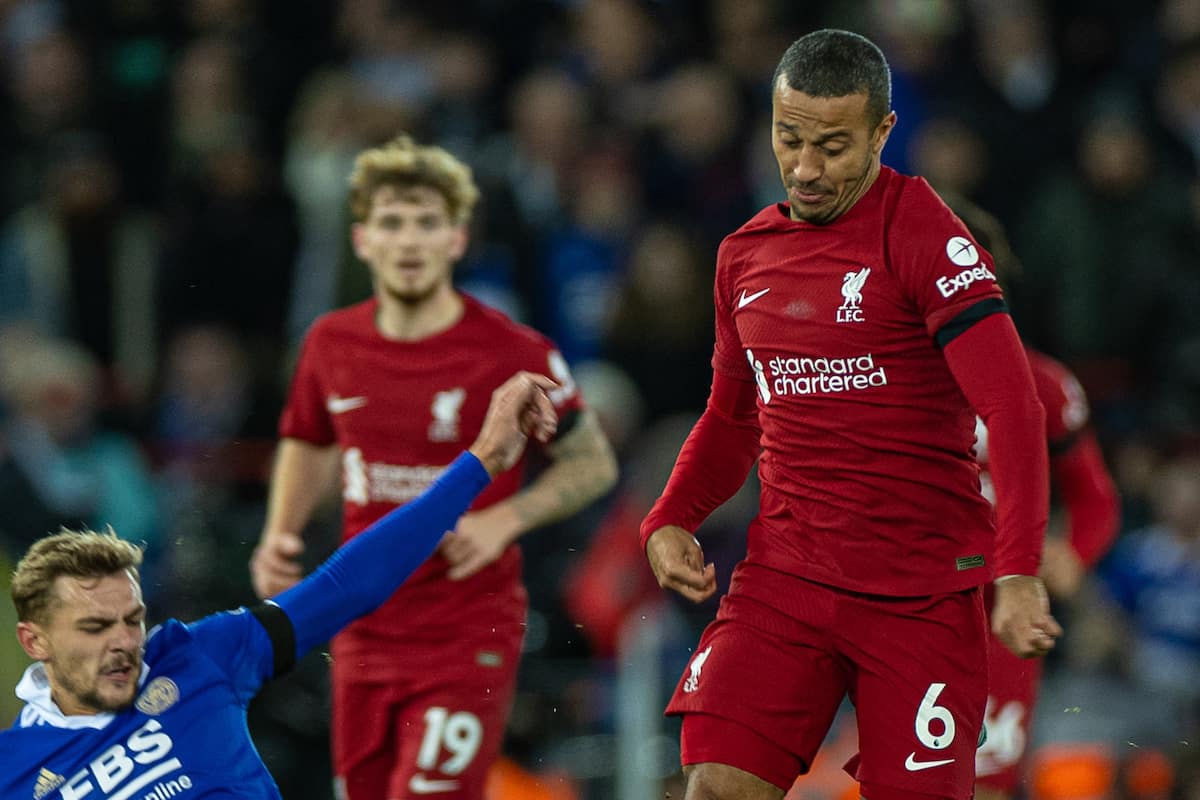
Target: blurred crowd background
173,216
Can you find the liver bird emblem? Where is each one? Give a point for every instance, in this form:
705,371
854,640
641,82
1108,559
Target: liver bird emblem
852,287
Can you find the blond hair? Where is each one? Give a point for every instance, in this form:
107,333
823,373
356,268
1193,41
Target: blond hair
404,163
75,553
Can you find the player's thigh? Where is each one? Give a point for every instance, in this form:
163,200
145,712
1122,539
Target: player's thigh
762,688
1012,696
919,688
449,734
723,782
361,734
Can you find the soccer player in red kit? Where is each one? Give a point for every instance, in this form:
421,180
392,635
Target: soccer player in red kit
390,390
859,331
1085,491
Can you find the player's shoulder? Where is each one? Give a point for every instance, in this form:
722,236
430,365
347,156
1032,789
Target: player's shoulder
1047,366
770,219
351,319
1060,392
911,197
163,637
741,244
501,329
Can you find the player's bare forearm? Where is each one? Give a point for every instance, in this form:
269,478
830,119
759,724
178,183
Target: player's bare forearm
582,468
304,474
303,477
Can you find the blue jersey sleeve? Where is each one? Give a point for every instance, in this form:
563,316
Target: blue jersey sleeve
240,647
365,571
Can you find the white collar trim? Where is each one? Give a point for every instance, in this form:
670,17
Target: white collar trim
40,708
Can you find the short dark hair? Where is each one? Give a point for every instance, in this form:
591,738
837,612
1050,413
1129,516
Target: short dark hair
836,63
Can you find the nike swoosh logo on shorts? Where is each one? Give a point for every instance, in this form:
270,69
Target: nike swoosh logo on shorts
421,785
340,405
912,765
747,299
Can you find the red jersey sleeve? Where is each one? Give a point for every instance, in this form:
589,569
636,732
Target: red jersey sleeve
305,416
714,460
729,357
990,367
567,397
1081,479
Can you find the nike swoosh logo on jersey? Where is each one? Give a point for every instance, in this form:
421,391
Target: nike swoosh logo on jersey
340,405
419,784
747,299
912,765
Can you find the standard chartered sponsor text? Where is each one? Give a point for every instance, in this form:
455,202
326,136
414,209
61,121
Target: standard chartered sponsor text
806,375
397,483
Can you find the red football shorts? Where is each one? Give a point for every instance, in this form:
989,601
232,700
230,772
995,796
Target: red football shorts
769,673
434,732
1012,692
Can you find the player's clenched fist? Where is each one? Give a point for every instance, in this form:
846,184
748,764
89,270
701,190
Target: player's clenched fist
678,563
1021,616
275,565
520,408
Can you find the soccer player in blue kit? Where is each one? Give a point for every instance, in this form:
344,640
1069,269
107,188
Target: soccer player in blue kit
111,714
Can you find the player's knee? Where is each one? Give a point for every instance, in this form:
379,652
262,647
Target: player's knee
711,781
877,791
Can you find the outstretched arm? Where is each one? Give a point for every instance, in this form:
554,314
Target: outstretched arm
365,571
582,467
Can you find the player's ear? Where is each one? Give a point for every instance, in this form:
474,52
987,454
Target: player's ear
358,240
882,132
33,640
462,238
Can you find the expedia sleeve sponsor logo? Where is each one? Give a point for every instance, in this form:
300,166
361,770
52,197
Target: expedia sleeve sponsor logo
141,767
805,375
949,285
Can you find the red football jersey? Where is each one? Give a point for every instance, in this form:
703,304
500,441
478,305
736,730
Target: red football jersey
868,478
400,412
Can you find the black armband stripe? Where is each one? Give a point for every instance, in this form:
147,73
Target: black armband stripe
968,317
1064,445
567,421
278,626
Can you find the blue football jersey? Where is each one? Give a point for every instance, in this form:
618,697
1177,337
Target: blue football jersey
184,737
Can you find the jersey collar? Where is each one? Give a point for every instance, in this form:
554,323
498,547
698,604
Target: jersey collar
40,709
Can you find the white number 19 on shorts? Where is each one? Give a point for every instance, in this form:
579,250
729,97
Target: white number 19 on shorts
459,733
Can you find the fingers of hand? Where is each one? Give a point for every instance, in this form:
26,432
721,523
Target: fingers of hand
1034,640
695,584
273,564
466,569
455,547
471,562
540,381
285,545
271,575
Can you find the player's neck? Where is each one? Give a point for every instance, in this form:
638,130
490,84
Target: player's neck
410,321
